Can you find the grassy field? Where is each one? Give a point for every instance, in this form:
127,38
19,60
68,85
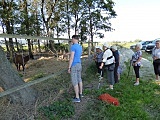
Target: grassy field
136,102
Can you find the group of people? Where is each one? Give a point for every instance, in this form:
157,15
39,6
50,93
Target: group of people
137,57
109,59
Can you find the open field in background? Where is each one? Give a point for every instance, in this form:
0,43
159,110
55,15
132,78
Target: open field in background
124,44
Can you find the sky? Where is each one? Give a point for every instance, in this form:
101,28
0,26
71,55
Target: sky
136,19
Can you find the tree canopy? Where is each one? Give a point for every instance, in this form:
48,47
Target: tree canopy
54,18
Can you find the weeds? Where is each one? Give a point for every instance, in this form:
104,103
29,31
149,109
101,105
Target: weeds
40,75
136,102
58,110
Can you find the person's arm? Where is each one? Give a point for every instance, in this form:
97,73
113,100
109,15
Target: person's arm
139,59
102,64
94,57
103,60
70,61
153,54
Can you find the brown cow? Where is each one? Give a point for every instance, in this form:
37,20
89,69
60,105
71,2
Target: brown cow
21,60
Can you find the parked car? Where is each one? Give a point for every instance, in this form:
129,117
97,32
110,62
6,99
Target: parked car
150,46
144,43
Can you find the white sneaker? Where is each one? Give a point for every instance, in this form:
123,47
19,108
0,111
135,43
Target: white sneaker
137,83
100,77
109,88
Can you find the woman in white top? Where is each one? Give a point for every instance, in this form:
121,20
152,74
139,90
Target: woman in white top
109,63
156,59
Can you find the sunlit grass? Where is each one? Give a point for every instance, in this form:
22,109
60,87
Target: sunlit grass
136,102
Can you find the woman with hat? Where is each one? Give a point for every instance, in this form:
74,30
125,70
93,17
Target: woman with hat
98,59
108,62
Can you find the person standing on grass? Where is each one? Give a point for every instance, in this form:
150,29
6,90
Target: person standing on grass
98,60
117,61
156,59
75,67
108,61
136,61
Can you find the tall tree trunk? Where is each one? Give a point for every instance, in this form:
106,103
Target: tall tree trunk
30,49
39,46
6,42
10,78
68,18
9,30
38,34
91,32
46,20
17,44
27,29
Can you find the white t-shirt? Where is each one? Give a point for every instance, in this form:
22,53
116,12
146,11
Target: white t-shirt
108,57
156,52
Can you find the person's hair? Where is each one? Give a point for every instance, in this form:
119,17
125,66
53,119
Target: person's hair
75,37
157,40
139,45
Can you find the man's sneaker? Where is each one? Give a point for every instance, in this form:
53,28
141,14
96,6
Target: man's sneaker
137,83
81,95
109,88
100,77
76,100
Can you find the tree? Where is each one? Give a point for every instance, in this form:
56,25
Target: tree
7,15
97,16
10,78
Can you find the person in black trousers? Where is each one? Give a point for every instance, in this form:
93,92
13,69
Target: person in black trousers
117,61
98,60
156,59
136,61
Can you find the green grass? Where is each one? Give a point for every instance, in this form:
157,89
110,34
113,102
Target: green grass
136,102
58,110
146,55
40,75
